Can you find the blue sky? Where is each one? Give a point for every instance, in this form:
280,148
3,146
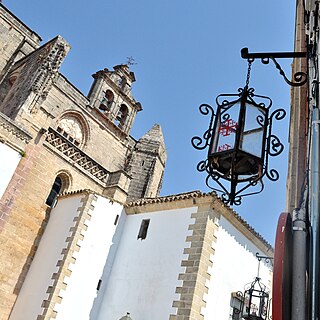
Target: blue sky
187,52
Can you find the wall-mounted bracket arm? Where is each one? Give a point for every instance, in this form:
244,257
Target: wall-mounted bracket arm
299,78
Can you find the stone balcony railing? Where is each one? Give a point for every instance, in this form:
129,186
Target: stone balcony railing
76,156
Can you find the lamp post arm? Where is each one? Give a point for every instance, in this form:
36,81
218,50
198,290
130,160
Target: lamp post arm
245,54
299,78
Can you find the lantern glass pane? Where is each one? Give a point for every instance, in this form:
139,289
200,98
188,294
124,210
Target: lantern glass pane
226,129
253,133
246,307
255,308
252,143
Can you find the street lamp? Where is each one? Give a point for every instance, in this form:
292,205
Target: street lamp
254,301
239,136
239,141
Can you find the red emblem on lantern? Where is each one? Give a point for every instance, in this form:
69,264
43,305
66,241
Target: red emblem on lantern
228,127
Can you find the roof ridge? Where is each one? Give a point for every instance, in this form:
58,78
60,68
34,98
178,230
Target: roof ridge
199,194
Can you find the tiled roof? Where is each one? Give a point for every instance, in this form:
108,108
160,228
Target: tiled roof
199,194
179,197
171,198
87,191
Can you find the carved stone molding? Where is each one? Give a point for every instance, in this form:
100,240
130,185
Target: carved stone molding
75,155
9,126
50,61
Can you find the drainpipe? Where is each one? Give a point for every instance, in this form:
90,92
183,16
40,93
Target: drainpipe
314,194
299,264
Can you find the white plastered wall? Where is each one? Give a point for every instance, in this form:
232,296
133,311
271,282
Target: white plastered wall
9,161
138,276
234,265
81,292
145,273
44,264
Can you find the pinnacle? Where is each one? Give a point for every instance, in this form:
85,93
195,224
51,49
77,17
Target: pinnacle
155,134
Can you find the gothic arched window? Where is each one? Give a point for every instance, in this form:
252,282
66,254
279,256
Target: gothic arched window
61,184
55,190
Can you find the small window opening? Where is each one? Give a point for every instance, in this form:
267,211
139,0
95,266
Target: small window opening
116,220
99,285
143,229
56,187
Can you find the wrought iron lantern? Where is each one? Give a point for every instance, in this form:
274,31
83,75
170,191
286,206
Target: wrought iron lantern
255,301
239,142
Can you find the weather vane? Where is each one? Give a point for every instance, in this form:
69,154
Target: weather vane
131,61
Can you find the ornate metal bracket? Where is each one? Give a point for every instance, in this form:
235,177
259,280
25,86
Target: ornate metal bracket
300,78
265,258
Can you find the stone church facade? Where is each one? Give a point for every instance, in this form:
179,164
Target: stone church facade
66,141
84,233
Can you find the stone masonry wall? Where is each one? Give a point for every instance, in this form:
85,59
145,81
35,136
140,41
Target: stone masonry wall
24,215
200,250
146,165
16,39
298,121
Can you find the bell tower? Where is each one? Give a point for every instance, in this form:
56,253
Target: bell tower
111,99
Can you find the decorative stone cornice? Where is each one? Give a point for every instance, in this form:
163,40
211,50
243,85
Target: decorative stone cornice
49,58
11,127
19,24
77,156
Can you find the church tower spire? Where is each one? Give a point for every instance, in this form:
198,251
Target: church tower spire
147,164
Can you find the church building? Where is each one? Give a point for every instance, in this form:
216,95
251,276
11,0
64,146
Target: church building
84,232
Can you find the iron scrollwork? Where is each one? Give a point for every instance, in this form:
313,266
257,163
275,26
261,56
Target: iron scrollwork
274,146
217,180
299,78
265,258
201,143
